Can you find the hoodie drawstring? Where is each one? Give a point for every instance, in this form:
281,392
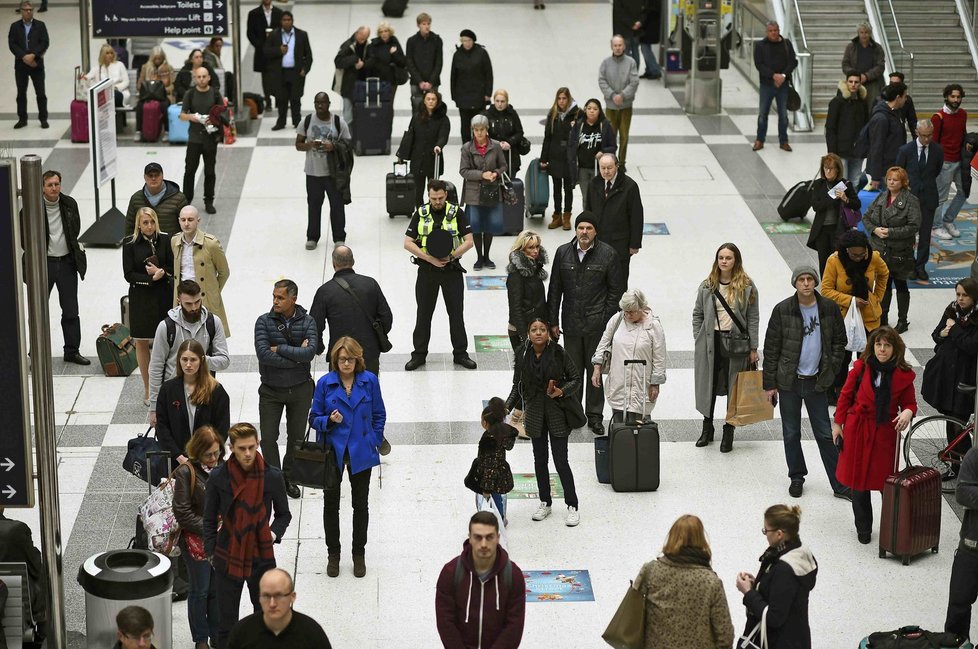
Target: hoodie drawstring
497,591
469,601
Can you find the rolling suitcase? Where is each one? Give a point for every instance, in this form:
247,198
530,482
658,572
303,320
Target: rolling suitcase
633,449
373,117
537,185
910,522
449,186
797,201
152,120
79,112
178,129
116,350
400,191
513,214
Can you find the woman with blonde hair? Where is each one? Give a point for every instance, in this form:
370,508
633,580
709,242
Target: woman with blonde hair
108,67
506,128
554,159
159,69
526,273
155,83
726,318
146,258
191,399
685,605
385,57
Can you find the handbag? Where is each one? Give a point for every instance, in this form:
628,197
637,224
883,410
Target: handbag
314,464
852,218
757,638
159,521
400,74
748,402
523,146
507,191
606,357
489,193
736,344
382,340
627,627
136,461
195,545
152,90
573,411
794,99
855,330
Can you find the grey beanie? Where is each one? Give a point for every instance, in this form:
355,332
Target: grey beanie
804,269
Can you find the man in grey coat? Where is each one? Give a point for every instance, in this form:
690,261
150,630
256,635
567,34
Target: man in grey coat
618,80
804,348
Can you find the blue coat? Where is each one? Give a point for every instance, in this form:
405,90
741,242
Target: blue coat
362,429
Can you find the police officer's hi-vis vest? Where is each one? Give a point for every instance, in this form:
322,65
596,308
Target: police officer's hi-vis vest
426,223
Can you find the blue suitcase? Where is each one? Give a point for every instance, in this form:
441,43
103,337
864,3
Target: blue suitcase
537,185
179,130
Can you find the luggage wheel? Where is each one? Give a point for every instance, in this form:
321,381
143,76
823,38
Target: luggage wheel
882,553
934,549
906,560
390,215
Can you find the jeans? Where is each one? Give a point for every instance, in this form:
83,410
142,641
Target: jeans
950,173
498,499
63,273
563,189
319,188
580,349
541,465
295,402
584,178
202,598
854,171
651,65
962,591
359,490
23,73
818,415
621,119
780,95
207,149
347,110
452,287
862,511
632,49
229,598
485,219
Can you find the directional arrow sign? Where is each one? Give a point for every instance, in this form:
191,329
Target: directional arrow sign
152,18
9,492
8,464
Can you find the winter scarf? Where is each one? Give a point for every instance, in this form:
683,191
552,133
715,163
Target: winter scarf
520,263
249,536
856,270
691,556
883,392
774,553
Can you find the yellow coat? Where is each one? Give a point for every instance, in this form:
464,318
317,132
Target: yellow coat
212,272
837,287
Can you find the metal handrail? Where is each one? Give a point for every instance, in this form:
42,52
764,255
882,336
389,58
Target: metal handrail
801,25
969,34
876,22
896,23
908,53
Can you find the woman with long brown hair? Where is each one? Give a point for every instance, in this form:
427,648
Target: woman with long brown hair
191,399
554,159
726,308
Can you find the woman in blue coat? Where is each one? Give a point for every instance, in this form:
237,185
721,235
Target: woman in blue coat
348,409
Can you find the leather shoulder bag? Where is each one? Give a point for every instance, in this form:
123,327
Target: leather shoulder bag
736,344
382,340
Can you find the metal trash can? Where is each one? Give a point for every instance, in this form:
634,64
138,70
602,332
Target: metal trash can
119,578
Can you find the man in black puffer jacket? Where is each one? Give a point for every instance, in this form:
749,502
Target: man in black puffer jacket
847,116
886,133
586,281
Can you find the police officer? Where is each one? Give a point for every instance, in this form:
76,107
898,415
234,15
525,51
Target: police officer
438,235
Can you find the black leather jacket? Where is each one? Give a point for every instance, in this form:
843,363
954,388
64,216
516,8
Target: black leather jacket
584,294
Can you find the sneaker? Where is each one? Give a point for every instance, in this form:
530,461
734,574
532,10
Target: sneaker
489,265
796,488
477,265
573,517
941,233
310,245
542,512
952,230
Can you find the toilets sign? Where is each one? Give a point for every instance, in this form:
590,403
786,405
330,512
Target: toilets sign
159,18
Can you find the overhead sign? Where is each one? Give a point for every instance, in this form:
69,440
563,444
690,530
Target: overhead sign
159,18
101,108
16,470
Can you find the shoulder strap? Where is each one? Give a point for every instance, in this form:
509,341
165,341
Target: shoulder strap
211,329
726,307
349,289
171,331
459,572
305,124
336,124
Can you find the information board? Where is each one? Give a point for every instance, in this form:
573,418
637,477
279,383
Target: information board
101,107
16,470
159,18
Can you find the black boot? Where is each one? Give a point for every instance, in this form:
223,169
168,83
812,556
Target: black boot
486,244
706,437
477,240
903,308
726,444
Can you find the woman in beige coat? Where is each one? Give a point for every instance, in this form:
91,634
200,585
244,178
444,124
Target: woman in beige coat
632,334
210,264
685,606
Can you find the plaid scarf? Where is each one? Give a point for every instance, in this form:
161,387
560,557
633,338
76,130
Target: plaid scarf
249,537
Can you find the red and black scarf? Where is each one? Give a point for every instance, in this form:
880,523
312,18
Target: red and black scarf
249,537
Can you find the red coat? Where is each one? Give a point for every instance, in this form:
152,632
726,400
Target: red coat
869,448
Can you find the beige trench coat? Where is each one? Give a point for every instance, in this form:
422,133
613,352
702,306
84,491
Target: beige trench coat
212,272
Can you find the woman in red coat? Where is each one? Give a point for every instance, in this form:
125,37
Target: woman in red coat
877,403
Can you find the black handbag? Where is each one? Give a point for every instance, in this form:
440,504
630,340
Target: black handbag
400,74
136,460
736,344
471,478
382,340
489,193
152,90
797,200
523,147
573,411
314,464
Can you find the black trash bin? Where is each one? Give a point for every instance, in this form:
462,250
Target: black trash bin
119,578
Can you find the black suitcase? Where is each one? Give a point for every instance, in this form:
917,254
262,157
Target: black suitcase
394,8
633,450
797,201
449,186
400,192
373,118
514,214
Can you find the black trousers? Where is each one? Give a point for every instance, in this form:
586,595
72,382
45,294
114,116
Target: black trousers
229,598
466,115
359,491
564,189
268,87
319,188
721,370
541,466
423,171
580,349
195,150
962,591
452,288
825,244
289,91
862,511
23,72
923,235
272,401
63,273
901,287
624,259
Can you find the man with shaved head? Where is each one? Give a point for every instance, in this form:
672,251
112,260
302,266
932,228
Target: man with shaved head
278,624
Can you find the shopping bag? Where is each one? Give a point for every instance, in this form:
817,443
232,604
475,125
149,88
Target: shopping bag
747,403
855,330
489,505
159,521
757,638
627,628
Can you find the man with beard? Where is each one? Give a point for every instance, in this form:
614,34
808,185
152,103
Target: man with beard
189,319
950,128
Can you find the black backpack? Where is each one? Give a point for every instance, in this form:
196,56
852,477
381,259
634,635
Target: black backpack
171,334
860,148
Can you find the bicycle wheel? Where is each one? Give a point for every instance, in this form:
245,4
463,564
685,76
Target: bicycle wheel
927,440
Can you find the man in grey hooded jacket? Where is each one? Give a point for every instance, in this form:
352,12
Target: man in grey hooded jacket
618,80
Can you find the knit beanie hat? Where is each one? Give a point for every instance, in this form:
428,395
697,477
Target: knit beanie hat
467,33
804,269
586,217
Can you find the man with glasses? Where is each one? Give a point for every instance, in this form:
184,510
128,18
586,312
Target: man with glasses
278,624
134,626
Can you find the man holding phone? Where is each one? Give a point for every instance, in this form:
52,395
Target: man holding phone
804,347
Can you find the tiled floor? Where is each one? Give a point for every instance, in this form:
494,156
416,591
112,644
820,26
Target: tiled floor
698,176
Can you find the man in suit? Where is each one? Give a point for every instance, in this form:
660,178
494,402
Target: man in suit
262,21
288,58
28,41
923,160
616,203
17,546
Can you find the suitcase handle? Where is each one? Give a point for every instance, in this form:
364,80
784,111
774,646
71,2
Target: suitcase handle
628,385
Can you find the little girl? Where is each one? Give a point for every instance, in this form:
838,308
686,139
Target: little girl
490,475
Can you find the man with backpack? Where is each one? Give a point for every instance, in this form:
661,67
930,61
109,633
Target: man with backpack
884,134
189,319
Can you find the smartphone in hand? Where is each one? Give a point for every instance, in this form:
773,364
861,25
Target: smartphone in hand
551,386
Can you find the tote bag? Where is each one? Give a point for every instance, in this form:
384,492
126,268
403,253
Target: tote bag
627,628
747,403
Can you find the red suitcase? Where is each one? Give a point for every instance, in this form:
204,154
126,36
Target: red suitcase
910,522
79,112
152,120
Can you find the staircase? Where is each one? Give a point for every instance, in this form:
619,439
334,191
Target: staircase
829,26
932,30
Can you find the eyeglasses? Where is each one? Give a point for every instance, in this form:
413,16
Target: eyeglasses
211,454
346,359
765,530
278,597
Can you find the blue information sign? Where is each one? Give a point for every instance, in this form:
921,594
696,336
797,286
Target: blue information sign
159,18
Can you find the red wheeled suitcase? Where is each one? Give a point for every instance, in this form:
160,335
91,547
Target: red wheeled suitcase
152,121
79,112
633,449
910,522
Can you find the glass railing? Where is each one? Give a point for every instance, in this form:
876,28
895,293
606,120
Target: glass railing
969,19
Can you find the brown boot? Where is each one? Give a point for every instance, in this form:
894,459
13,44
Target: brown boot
567,218
556,222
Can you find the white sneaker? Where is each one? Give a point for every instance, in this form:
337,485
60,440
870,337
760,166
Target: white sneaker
952,229
941,233
542,512
573,517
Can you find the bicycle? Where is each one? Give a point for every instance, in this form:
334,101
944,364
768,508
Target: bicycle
929,436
